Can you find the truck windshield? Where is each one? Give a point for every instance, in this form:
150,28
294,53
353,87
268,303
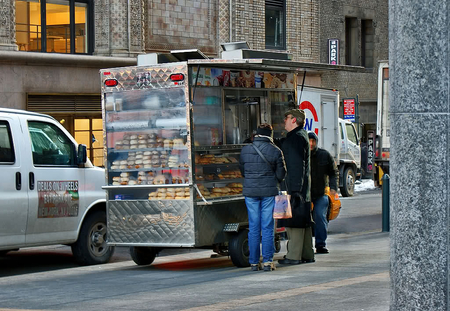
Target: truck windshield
351,133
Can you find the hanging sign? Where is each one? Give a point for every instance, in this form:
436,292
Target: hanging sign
349,109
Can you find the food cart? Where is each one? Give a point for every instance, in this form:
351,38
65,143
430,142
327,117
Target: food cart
173,135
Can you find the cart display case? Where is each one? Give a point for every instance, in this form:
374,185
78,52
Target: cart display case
173,136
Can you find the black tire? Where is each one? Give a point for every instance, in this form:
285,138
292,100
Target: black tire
238,249
277,244
91,247
348,182
143,256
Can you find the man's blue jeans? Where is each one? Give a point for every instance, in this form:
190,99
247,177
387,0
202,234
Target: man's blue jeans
260,218
320,220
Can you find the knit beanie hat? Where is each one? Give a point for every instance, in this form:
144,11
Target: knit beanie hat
264,131
313,136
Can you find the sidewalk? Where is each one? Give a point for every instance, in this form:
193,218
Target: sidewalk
353,276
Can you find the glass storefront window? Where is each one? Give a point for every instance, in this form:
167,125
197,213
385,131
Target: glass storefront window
63,34
28,25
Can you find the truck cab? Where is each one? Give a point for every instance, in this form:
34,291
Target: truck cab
349,157
50,193
339,137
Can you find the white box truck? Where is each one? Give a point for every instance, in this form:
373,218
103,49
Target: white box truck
337,136
50,193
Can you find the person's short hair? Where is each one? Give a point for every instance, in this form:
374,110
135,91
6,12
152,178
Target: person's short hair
298,114
265,126
265,129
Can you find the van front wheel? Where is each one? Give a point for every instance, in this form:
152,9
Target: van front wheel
91,247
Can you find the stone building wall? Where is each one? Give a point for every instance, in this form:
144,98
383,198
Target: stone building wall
332,25
7,25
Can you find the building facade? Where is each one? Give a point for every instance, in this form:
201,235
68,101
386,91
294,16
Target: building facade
50,52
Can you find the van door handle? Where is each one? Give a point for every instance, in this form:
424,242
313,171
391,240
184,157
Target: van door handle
31,181
18,181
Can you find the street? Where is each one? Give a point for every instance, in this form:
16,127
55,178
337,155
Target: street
48,279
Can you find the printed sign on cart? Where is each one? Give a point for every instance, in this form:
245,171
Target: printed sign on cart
242,78
349,109
58,199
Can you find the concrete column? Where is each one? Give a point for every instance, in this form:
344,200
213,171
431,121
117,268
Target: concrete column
7,25
419,97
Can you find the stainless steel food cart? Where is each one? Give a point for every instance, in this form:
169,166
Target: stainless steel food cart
173,135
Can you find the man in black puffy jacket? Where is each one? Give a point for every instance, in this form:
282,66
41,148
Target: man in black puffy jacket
260,188
323,173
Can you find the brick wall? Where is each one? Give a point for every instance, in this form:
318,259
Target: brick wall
332,25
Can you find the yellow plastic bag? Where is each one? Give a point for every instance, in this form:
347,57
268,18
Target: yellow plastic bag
334,205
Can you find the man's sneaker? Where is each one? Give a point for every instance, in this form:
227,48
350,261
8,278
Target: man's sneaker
322,250
255,267
289,262
269,266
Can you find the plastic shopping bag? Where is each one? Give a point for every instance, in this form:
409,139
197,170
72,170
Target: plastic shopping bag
282,207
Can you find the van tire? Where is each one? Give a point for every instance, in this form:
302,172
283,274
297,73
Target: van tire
143,256
91,247
348,182
238,249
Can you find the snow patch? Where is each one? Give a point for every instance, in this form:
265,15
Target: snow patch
364,185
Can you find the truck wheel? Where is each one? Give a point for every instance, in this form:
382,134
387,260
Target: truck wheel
143,256
349,179
91,247
238,249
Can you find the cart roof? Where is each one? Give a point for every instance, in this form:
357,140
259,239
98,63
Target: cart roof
274,64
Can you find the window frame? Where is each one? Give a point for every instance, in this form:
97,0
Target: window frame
90,26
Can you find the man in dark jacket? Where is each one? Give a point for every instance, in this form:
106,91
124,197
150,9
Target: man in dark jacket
295,148
323,173
260,188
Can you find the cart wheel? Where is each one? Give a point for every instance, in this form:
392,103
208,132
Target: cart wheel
143,255
238,249
277,244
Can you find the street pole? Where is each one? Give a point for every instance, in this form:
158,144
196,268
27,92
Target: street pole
385,203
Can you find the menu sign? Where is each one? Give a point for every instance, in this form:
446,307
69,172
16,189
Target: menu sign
242,78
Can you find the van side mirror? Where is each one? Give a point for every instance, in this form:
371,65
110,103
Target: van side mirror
81,154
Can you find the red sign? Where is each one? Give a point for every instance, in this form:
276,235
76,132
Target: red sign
349,109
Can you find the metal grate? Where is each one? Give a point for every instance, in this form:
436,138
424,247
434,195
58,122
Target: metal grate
51,104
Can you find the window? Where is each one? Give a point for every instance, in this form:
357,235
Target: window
59,26
89,131
367,43
6,145
351,133
50,146
275,24
351,41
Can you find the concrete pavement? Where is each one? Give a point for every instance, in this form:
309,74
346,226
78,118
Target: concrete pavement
353,276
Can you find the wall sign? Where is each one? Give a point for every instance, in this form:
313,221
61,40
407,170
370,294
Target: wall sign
333,51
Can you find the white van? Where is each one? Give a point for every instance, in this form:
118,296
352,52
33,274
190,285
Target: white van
50,193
